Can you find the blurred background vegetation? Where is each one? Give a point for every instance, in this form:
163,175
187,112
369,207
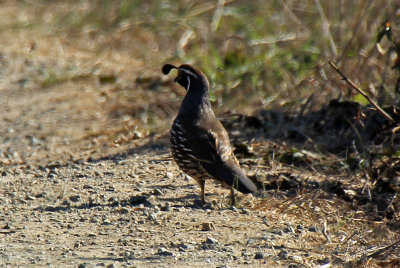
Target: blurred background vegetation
257,54
263,53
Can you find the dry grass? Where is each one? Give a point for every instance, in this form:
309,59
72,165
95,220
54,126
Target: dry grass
347,235
275,53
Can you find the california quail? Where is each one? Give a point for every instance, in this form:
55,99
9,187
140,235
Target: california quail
200,144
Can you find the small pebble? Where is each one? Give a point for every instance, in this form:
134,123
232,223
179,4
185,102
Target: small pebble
210,243
29,197
211,240
164,252
7,226
233,208
136,200
157,192
75,198
66,203
277,231
207,226
250,241
166,207
244,211
313,229
152,217
183,245
297,259
123,211
289,229
259,256
106,222
129,255
283,255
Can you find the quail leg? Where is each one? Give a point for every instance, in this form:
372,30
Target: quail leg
203,194
233,201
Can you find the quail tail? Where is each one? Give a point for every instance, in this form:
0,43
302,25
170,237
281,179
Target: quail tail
232,175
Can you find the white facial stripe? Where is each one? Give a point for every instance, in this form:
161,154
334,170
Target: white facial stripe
187,71
188,85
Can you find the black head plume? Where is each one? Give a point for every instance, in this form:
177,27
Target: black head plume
187,75
167,68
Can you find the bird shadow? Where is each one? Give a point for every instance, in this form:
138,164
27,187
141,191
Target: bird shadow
154,146
188,201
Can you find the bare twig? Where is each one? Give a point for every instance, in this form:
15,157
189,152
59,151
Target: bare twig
293,17
281,38
360,17
208,8
359,90
348,238
326,28
325,231
380,251
395,129
304,107
381,95
217,15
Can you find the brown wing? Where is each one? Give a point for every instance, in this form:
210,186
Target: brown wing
210,146
210,141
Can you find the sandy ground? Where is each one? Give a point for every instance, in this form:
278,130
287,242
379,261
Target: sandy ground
70,195
72,199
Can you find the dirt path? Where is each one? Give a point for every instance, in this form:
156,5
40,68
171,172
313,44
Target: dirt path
69,196
67,199
137,209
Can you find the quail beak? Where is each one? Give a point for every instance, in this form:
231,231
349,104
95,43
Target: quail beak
179,77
